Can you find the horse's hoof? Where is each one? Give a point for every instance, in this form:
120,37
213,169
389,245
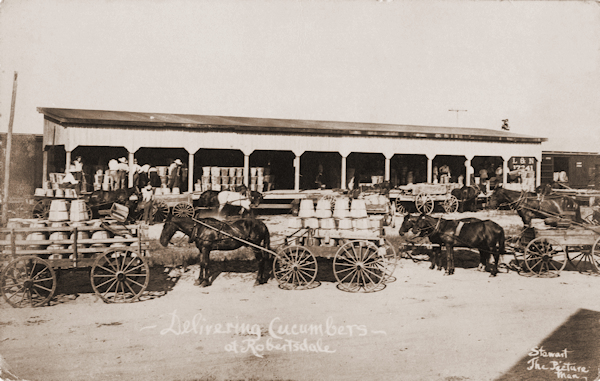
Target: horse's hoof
196,283
204,284
493,274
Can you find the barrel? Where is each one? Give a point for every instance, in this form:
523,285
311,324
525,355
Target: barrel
307,208
58,211
239,180
358,209
36,236
253,171
239,172
58,236
49,192
345,224
79,211
260,171
15,223
205,171
176,190
59,193
312,223
327,223
215,171
341,207
119,212
100,235
40,192
224,179
361,223
295,223
232,172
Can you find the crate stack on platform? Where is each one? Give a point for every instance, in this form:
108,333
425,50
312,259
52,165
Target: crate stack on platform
348,220
228,178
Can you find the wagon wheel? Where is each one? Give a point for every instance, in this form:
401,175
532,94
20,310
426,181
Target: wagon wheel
544,256
119,275
584,260
41,209
451,204
400,209
183,209
160,210
359,266
295,267
28,281
424,203
596,254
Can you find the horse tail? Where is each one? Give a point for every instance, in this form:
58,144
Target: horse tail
501,241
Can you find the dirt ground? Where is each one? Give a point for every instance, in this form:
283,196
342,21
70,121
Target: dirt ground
422,326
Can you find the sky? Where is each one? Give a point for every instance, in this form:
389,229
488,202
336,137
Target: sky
402,62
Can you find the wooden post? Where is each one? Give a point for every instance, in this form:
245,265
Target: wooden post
7,155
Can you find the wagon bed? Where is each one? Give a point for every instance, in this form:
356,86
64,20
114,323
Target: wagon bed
119,271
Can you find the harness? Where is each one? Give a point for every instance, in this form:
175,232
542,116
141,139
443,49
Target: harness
194,234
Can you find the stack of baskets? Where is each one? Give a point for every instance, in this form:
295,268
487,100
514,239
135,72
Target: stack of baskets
228,178
348,219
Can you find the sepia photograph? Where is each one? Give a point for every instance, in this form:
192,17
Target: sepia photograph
299,190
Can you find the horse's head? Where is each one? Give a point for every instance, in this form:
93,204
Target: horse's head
499,196
407,224
168,231
256,198
424,225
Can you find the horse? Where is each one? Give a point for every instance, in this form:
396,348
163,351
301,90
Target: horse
211,198
212,234
101,199
226,212
467,197
530,205
436,257
486,236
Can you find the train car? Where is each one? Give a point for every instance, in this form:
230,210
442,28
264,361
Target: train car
578,170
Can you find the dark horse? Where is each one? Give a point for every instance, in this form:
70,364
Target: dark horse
530,205
219,238
104,200
485,236
436,239
467,197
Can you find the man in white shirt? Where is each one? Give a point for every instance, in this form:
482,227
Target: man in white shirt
146,202
113,167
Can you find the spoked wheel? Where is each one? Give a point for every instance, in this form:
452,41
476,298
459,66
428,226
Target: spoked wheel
183,209
424,203
160,210
28,281
545,257
450,204
41,209
360,266
583,260
295,268
400,209
119,275
596,254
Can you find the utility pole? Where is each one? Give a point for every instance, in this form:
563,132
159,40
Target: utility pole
457,111
7,155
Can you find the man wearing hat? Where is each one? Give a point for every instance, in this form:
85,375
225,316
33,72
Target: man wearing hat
146,202
122,171
175,174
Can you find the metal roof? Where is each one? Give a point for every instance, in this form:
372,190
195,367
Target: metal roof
102,118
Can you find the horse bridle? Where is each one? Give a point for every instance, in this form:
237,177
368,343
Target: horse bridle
435,228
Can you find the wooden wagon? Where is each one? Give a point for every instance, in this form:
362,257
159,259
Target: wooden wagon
363,259
33,252
424,197
547,251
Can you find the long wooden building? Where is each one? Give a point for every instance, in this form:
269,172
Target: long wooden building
300,154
